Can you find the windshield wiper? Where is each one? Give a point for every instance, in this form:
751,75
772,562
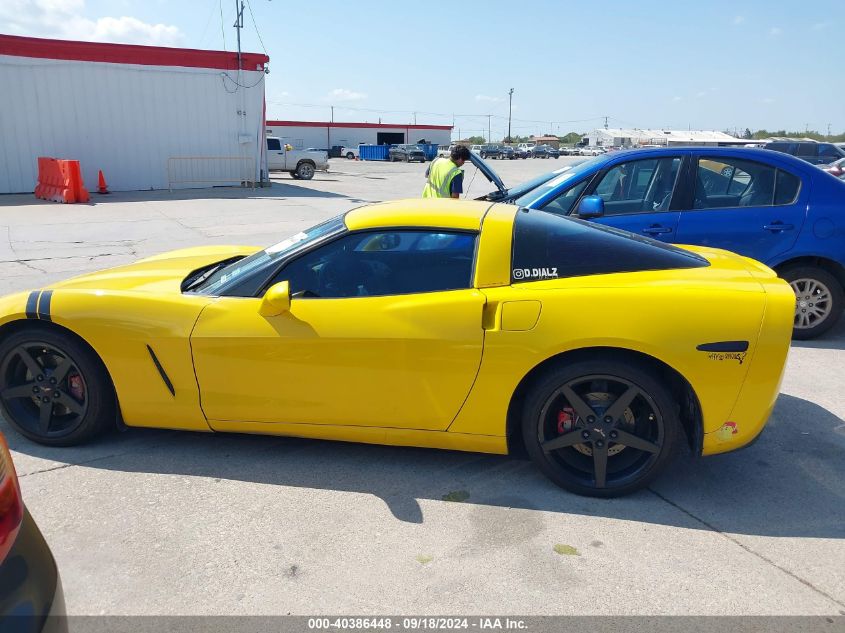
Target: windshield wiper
198,281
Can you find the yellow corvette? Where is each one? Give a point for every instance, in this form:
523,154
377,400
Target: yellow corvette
436,323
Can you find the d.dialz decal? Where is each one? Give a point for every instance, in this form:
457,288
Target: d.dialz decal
738,356
535,273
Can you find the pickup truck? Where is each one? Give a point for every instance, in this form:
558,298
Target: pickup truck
301,164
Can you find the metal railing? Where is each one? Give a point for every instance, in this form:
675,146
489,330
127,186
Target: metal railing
211,170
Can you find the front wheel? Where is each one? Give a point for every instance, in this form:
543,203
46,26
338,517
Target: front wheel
305,171
53,389
601,428
350,156
818,300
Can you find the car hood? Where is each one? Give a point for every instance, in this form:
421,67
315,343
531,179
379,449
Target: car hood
488,172
160,273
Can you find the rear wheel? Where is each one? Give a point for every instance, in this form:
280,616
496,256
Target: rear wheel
350,155
818,300
305,171
601,428
53,389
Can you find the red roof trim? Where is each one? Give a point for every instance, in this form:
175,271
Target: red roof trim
127,53
401,126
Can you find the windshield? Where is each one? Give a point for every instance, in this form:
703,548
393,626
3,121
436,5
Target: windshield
241,268
570,175
529,185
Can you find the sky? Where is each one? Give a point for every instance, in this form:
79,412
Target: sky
684,65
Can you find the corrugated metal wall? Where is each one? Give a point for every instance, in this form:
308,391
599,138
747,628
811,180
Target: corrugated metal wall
124,119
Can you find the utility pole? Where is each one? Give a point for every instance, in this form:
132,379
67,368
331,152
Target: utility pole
605,122
239,24
332,107
828,131
510,110
489,135
415,118
262,155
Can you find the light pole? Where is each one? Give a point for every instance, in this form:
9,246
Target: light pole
510,109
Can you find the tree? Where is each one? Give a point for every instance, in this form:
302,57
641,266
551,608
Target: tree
572,137
747,133
477,140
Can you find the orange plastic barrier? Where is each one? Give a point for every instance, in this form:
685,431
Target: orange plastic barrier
60,181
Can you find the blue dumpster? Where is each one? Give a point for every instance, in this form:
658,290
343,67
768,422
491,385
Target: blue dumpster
373,152
430,150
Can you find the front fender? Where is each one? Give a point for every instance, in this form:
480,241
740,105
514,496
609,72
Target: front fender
122,327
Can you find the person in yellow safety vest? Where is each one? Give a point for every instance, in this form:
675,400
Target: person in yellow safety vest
445,178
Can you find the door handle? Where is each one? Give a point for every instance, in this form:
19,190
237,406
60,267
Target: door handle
657,230
778,226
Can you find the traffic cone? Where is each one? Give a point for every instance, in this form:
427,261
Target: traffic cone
101,184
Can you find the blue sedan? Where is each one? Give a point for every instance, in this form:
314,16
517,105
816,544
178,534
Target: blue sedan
767,205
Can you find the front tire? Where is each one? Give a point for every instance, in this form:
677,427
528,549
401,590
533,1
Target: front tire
350,156
602,428
53,389
819,300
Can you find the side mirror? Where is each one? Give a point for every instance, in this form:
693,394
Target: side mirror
590,207
276,300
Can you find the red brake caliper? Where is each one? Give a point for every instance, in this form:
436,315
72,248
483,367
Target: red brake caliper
565,420
77,390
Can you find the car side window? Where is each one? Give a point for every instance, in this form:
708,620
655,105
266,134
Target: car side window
807,150
826,150
562,205
725,182
786,187
639,186
274,144
382,263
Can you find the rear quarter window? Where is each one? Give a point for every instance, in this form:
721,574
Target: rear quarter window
548,246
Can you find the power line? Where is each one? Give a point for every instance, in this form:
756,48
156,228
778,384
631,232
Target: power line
445,115
207,22
222,28
257,32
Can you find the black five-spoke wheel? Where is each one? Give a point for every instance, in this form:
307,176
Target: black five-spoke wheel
601,428
52,388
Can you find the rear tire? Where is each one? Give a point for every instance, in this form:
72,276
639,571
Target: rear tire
819,300
54,390
570,405
350,156
305,171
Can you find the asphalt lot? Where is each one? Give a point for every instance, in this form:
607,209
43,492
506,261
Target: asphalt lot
159,522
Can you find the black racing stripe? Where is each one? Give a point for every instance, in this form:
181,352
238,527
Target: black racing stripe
31,303
161,371
44,305
724,346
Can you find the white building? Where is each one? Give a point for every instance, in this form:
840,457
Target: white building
619,137
326,134
149,117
